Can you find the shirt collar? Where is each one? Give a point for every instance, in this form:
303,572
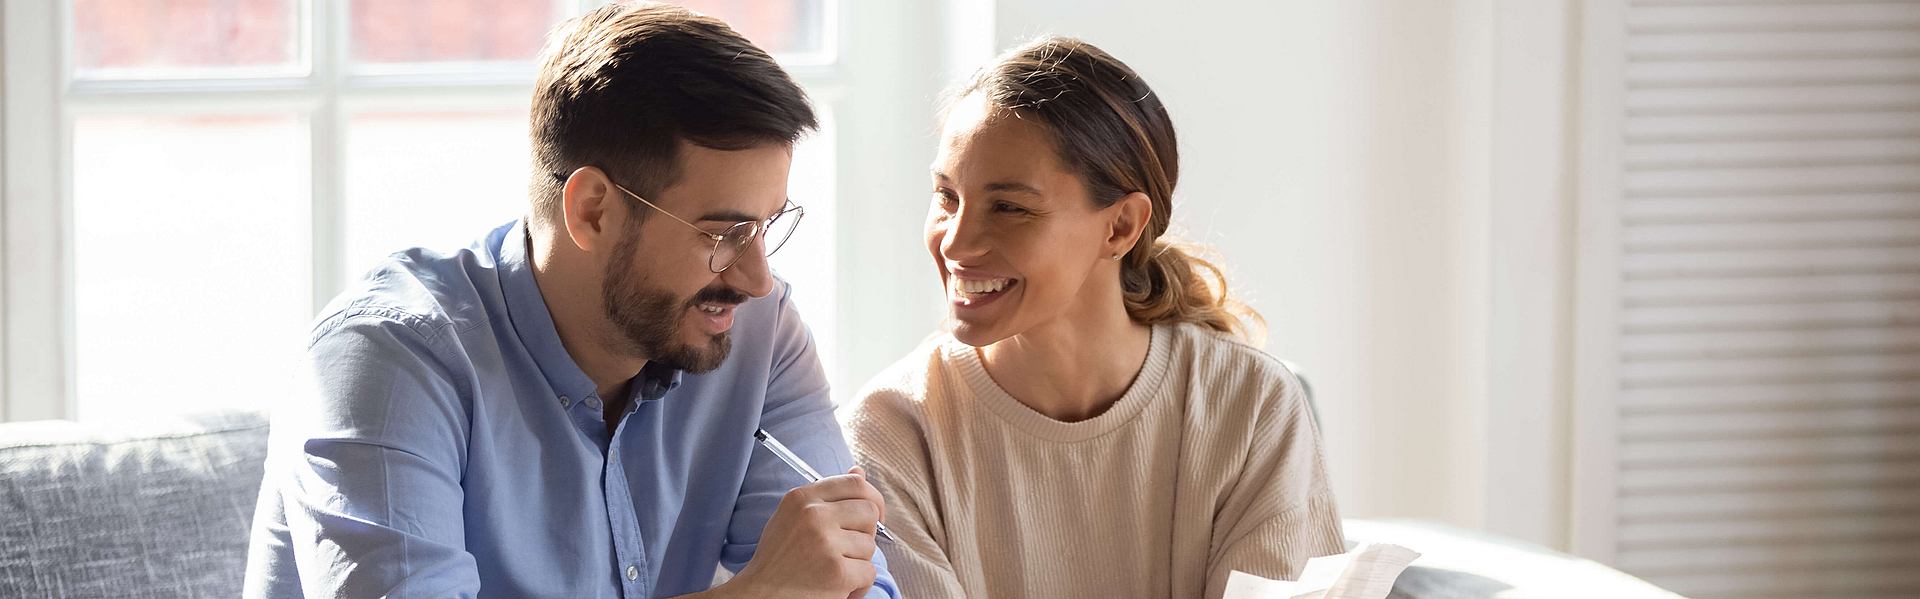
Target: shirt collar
534,325
655,380
531,321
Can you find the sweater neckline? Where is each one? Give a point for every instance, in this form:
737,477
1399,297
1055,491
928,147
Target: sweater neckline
1145,389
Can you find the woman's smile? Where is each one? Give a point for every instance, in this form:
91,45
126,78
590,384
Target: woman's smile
976,292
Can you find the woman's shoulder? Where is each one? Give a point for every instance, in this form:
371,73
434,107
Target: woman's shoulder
1226,370
893,422
1218,353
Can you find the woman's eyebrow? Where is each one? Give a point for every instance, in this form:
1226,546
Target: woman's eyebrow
1013,187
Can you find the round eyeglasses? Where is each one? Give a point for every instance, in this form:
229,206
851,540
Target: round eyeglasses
732,243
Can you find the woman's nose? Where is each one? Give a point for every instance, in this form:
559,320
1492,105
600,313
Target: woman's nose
964,236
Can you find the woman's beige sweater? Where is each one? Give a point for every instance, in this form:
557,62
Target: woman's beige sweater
1209,463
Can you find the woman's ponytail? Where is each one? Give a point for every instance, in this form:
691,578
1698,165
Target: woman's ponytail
1168,281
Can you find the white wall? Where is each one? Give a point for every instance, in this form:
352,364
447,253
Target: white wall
888,296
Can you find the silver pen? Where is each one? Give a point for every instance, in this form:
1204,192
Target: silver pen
786,455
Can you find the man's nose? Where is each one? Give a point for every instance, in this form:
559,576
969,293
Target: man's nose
750,273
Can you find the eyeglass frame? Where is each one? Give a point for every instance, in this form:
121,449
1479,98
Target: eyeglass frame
761,227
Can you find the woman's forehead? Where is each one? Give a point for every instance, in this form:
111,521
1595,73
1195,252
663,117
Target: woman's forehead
995,148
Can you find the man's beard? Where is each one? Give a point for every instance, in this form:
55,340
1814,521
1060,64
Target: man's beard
647,319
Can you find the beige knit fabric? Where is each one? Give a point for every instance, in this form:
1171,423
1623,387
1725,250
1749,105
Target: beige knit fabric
1209,463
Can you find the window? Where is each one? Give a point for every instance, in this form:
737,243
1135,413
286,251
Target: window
222,169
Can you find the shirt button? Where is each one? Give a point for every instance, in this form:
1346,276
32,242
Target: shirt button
564,402
593,402
633,573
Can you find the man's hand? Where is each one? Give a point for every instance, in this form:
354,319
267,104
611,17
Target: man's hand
819,543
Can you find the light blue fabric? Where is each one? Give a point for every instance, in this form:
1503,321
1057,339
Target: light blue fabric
449,446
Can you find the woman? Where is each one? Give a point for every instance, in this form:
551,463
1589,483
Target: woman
1092,426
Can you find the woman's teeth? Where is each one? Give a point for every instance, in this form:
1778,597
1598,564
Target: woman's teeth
972,287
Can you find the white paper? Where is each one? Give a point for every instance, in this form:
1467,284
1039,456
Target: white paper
1241,585
1367,572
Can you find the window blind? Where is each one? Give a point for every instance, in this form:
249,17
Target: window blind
1769,310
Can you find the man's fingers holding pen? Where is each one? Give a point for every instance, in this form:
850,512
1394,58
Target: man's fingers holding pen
856,516
852,486
872,493
820,538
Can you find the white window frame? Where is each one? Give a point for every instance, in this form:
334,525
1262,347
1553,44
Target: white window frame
42,98
1596,354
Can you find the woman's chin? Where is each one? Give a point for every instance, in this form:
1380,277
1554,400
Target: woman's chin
976,334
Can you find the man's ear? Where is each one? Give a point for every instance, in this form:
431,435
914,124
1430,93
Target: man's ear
1128,219
592,209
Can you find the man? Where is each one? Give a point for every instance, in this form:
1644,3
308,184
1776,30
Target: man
512,419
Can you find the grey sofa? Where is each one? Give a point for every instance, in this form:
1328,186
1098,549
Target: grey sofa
150,508
161,508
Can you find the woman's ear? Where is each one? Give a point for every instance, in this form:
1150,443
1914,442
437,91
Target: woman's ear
1128,219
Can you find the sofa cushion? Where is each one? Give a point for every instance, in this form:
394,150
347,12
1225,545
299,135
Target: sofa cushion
149,508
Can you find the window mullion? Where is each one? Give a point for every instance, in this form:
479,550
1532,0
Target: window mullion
327,135
38,340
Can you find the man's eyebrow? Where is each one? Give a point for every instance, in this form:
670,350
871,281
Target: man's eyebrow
726,216
730,215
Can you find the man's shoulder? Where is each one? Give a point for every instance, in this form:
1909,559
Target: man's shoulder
426,292
394,349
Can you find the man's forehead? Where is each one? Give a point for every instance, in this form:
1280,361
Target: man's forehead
729,186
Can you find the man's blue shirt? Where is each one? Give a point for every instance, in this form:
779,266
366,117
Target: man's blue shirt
447,445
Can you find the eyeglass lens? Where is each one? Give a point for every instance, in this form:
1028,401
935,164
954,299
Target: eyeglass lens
736,238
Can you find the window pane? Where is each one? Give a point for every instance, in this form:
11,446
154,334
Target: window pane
403,31
777,26
191,273
807,261
431,179
149,39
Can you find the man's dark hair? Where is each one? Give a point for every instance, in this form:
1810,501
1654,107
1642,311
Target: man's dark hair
620,87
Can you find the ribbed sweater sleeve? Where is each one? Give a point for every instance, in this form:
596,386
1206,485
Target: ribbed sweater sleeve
891,446
1281,511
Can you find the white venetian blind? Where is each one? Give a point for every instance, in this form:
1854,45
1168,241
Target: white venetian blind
1769,407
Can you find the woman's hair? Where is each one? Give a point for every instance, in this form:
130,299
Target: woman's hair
1112,131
